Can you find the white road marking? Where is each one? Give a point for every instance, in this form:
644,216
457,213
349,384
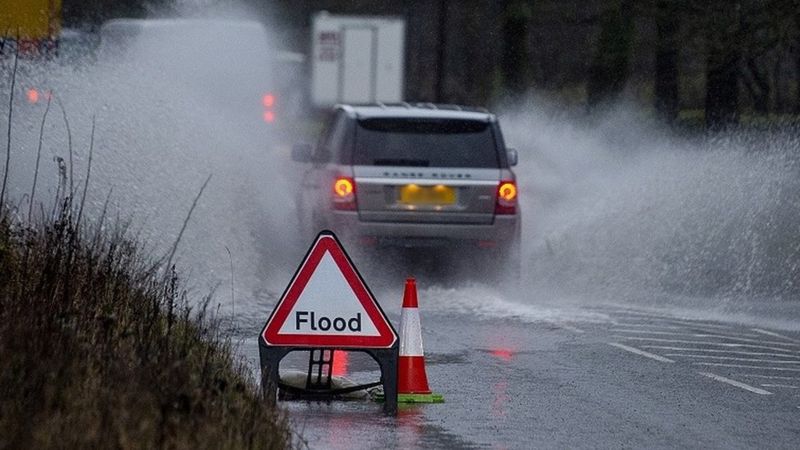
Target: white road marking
640,352
716,350
706,334
785,369
773,334
736,359
787,386
686,327
721,344
674,319
770,377
738,384
650,325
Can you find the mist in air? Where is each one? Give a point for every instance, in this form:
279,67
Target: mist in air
616,209
619,209
173,106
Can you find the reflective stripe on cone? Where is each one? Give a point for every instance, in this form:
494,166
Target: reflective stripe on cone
412,379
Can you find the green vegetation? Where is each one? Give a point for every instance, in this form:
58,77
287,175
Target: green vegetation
100,349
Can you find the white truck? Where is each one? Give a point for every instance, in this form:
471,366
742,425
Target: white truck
357,59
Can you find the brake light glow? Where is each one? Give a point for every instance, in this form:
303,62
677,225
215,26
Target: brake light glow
33,95
506,197
268,100
344,193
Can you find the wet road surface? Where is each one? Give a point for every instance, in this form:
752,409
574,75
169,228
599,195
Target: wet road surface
627,378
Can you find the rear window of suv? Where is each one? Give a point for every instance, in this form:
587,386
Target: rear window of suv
424,143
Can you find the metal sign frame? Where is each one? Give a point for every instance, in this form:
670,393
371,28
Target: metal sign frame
318,382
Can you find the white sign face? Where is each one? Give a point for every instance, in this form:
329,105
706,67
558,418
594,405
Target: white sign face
327,304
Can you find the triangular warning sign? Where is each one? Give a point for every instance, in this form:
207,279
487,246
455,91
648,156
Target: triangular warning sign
327,304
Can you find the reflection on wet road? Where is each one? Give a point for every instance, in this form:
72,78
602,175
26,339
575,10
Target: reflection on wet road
621,376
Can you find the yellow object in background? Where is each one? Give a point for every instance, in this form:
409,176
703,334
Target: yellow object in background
30,19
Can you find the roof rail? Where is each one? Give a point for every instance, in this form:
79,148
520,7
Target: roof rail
426,105
450,106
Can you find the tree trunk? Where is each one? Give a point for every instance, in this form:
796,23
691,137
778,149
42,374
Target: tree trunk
723,65
514,59
722,88
758,86
609,69
440,52
667,101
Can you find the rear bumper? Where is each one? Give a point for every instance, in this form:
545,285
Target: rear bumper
503,231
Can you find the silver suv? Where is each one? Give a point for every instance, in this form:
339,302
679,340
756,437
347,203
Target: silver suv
412,176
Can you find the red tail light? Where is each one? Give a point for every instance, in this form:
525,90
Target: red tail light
268,101
344,194
506,197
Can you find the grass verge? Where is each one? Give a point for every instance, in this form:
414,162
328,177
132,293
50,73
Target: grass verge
100,349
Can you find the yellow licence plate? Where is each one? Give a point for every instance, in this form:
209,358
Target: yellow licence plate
413,194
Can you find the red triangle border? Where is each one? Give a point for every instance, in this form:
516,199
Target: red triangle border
327,242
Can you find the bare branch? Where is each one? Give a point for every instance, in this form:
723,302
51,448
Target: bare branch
185,223
88,174
38,157
10,111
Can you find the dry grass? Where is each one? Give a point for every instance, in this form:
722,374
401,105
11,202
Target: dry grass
100,349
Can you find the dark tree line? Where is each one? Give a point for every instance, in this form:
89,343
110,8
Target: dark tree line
747,52
722,57
744,47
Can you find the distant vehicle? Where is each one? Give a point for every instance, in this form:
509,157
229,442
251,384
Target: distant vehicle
229,62
356,59
413,176
30,27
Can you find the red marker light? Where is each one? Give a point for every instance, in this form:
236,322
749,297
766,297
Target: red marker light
268,100
33,95
269,116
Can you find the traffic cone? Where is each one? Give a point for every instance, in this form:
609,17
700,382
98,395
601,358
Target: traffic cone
412,381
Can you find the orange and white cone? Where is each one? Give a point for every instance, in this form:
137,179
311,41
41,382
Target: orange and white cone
412,380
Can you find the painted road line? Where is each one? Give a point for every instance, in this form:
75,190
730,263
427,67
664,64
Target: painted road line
769,377
709,335
719,344
729,358
741,366
701,334
773,334
650,325
678,320
698,328
787,386
738,384
640,352
717,350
